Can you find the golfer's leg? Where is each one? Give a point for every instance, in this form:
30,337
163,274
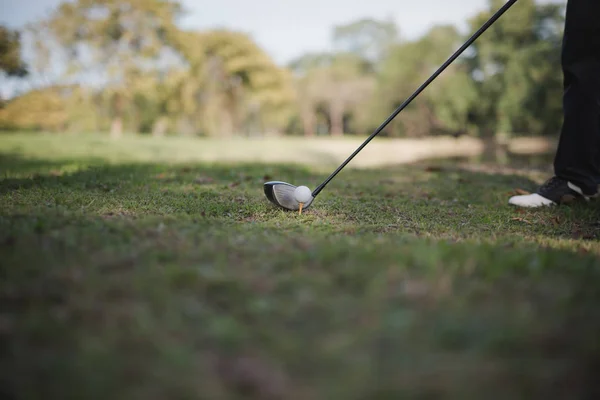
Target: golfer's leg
578,155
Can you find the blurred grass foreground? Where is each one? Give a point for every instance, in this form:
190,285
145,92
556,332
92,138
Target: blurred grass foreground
139,258
130,274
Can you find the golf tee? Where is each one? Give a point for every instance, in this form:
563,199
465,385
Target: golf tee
300,209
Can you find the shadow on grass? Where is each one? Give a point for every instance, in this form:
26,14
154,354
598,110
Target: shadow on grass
446,198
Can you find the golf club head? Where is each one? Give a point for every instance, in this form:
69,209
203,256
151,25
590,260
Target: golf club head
282,194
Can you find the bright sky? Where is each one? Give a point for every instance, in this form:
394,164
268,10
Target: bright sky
289,28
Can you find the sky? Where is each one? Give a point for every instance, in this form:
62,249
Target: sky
288,28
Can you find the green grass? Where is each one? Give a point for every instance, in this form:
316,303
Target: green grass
131,279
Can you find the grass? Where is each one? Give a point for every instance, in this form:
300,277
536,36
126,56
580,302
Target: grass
124,278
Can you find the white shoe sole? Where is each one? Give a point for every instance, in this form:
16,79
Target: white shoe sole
533,200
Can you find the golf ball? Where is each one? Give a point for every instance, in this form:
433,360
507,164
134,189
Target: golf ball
302,194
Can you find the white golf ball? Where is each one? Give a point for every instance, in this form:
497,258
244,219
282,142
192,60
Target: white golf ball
302,194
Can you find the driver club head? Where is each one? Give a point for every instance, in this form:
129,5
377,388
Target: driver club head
282,194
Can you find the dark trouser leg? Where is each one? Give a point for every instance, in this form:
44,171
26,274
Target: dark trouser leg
578,154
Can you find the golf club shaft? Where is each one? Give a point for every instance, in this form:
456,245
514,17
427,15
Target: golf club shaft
454,56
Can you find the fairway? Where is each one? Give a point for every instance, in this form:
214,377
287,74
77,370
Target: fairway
128,274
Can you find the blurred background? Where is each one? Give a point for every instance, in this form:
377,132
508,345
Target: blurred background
265,68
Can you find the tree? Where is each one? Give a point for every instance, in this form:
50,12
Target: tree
442,107
345,84
339,82
231,83
43,109
10,53
117,39
307,87
367,38
517,69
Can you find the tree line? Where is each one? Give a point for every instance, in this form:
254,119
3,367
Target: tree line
126,66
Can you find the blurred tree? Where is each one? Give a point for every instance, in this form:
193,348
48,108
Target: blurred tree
454,93
307,87
368,38
231,84
442,107
345,85
118,39
139,71
516,66
339,82
43,109
307,95
10,53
